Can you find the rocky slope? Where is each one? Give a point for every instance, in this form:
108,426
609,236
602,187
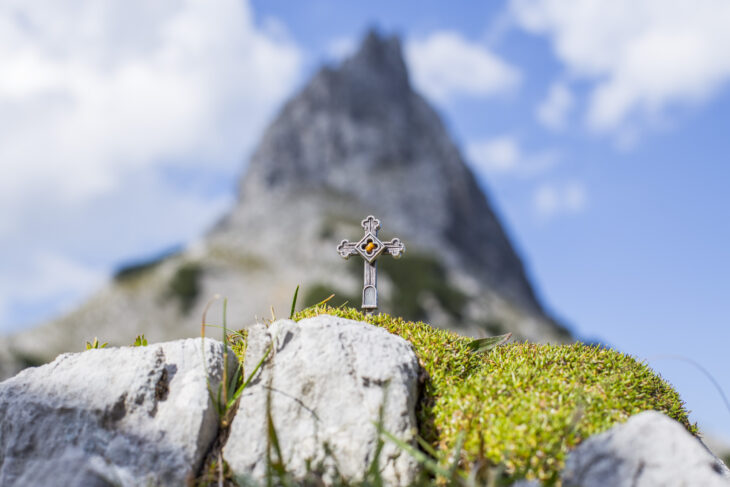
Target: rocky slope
356,140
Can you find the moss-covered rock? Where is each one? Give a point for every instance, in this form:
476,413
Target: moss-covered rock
522,406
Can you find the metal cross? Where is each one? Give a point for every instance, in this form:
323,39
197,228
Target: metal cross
370,248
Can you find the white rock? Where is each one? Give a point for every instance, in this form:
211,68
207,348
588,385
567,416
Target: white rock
119,416
649,450
327,380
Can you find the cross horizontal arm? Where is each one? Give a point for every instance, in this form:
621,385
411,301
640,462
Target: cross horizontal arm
394,247
346,249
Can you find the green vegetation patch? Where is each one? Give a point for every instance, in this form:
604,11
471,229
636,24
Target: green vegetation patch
133,271
522,406
185,285
139,268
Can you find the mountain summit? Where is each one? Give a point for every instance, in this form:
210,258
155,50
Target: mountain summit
356,140
362,133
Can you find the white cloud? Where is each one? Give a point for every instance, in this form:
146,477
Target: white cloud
341,47
554,199
100,89
554,110
504,155
52,274
643,56
48,277
101,103
444,65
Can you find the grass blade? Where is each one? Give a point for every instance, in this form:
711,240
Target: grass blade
426,446
239,391
325,300
420,457
486,344
457,456
225,353
374,469
294,303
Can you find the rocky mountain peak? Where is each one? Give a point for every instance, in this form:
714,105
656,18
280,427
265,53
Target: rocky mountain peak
337,121
377,69
359,131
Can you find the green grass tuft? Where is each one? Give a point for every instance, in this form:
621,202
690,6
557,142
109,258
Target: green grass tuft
95,344
522,406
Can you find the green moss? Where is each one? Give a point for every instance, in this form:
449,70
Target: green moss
523,406
185,285
237,342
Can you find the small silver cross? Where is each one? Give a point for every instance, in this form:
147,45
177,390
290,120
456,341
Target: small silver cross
370,248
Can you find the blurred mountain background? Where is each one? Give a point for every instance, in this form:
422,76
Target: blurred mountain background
356,140
545,166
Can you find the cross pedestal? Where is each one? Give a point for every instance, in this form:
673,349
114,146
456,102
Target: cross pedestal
370,248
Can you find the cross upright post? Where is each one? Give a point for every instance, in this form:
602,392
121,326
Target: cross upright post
370,248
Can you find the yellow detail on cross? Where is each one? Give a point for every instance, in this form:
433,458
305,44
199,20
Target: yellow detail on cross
370,247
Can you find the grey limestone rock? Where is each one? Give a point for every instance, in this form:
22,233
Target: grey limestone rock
327,379
649,450
119,416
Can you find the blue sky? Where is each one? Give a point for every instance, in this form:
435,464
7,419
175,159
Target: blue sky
600,137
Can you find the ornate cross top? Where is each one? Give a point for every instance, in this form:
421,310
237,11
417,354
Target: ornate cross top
370,248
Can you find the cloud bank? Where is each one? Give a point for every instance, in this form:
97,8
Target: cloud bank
552,199
444,65
112,116
504,155
642,57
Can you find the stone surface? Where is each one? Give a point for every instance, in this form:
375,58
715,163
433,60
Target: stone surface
327,380
118,416
649,450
